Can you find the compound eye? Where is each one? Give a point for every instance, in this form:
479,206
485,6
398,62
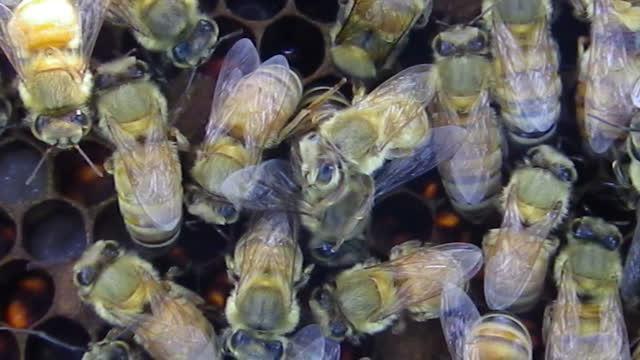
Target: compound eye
240,338
275,348
110,251
611,242
565,174
477,44
323,298
80,118
325,173
326,250
338,329
86,276
181,52
205,27
228,212
582,231
138,70
41,123
445,48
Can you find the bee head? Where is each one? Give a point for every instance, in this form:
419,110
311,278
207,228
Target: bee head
595,230
88,268
108,350
460,41
546,157
244,344
197,46
327,314
318,164
63,131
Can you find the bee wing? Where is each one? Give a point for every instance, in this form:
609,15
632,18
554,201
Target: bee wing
122,13
92,13
241,60
479,144
458,313
412,83
564,340
607,52
442,143
10,45
426,271
171,330
309,343
278,246
154,173
530,81
266,186
508,272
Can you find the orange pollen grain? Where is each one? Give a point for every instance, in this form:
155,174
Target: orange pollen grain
33,284
431,190
17,315
87,175
216,298
447,220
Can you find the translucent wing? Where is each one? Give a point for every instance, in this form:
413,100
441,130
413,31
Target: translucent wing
412,83
478,156
630,286
309,343
266,186
530,83
458,313
92,13
11,44
567,338
269,244
176,329
442,143
123,13
154,172
511,267
241,60
422,273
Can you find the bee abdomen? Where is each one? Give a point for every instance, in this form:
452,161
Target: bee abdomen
142,228
499,335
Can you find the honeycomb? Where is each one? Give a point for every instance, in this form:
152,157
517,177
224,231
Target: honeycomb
47,224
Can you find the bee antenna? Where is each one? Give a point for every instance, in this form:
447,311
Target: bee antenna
230,35
442,23
45,336
483,13
38,166
88,161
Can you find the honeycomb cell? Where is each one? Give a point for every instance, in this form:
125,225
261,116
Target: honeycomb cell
63,329
7,234
8,346
75,179
400,217
324,11
18,160
110,226
54,232
27,294
298,40
256,9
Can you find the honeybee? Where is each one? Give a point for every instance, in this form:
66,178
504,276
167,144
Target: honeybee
369,34
586,320
126,291
525,61
536,199
251,106
267,271
609,72
471,336
367,298
176,27
49,43
472,177
145,165
109,350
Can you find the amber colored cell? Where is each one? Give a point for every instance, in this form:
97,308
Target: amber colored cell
33,284
431,191
7,234
447,220
217,299
17,315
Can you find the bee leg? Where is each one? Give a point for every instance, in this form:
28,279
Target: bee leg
180,139
178,291
108,165
405,248
304,278
359,90
231,269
